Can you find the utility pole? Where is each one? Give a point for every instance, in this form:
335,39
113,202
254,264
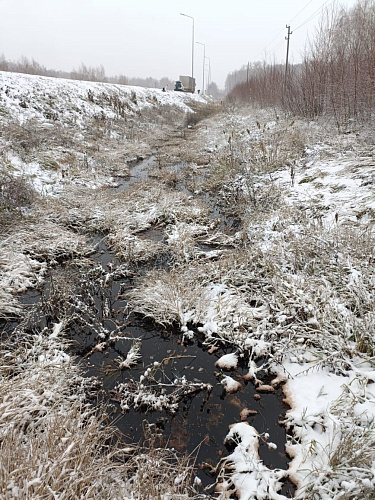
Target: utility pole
247,74
287,38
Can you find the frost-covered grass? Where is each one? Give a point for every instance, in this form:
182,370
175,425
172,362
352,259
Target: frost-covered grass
298,292
161,473
53,444
332,426
217,301
144,205
293,287
49,434
25,254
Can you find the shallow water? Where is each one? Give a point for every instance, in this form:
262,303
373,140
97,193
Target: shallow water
138,172
201,423
202,420
204,417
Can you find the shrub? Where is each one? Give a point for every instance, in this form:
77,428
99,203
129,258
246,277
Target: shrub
15,192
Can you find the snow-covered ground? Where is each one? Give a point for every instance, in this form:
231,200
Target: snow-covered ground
64,119
29,96
293,288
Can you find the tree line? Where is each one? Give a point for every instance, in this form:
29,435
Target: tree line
337,74
84,72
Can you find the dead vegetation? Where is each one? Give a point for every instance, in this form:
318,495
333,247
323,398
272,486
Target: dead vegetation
284,284
50,436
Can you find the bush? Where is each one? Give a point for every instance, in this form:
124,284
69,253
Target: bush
15,192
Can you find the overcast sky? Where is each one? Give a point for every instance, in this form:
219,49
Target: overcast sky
150,38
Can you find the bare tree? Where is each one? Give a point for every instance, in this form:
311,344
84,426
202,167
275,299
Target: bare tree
336,77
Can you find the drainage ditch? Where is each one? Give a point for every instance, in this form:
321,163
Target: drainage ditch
200,419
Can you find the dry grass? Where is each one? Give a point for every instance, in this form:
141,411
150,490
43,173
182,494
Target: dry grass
242,166
145,204
54,445
201,112
68,448
49,437
133,249
16,195
220,303
161,473
24,255
15,192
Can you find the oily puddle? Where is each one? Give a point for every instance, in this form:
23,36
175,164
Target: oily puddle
200,417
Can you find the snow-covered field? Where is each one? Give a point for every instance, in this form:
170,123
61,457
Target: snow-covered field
291,289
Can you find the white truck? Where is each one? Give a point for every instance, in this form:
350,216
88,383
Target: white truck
185,84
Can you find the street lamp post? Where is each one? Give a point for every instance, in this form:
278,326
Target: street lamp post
192,45
209,72
204,61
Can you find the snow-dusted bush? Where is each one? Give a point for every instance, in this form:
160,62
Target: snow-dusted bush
15,192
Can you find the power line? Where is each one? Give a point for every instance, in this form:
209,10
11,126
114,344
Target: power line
313,15
281,31
279,43
300,11
278,33
269,43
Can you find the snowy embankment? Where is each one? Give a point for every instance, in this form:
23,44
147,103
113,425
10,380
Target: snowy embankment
45,98
66,120
61,134
330,377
